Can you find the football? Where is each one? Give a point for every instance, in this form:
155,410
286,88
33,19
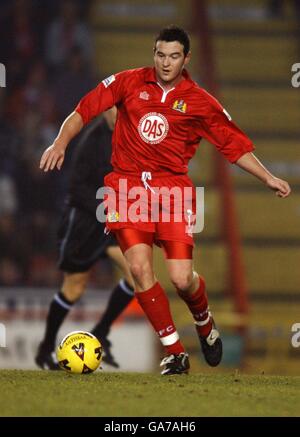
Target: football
79,352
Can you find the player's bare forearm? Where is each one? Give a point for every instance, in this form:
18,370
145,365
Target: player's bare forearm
55,154
252,165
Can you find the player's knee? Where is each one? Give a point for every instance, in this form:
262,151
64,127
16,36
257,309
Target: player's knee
141,271
182,281
72,294
74,287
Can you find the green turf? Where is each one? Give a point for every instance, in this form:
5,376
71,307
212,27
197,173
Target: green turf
41,393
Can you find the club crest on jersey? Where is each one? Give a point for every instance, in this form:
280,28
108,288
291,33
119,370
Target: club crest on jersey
153,127
109,80
179,105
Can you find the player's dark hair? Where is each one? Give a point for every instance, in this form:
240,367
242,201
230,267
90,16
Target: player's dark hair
174,33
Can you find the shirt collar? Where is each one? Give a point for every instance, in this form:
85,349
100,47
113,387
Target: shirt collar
184,84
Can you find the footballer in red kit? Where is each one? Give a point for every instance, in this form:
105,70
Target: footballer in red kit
162,116
153,133
154,126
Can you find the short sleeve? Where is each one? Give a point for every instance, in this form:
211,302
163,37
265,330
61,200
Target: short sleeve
108,93
215,124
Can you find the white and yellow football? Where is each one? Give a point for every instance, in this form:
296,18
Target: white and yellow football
79,352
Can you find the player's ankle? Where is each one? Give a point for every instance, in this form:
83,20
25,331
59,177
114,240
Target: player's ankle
204,330
175,348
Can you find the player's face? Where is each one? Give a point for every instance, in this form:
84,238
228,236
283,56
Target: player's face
169,61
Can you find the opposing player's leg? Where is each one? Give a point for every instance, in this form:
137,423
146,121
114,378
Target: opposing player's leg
191,288
115,254
137,248
82,242
73,287
119,299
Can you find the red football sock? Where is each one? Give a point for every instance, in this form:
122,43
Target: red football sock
198,306
156,306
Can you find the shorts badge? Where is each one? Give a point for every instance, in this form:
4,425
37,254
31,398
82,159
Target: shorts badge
113,217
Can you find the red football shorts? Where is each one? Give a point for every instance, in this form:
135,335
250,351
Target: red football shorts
128,237
161,206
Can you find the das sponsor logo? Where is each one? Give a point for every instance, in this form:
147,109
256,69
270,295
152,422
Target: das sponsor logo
153,128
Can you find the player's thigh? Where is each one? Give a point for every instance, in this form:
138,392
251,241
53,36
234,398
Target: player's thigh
137,247
81,241
116,255
180,272
177,267
179,262
140,259
175,232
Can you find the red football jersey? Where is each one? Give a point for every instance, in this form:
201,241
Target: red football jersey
157,130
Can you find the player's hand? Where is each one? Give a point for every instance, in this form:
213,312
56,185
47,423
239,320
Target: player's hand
281,187
52,157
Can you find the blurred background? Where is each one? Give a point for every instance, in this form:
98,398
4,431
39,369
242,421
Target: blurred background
249,252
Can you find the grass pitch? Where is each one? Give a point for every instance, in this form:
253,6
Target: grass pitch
44,393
